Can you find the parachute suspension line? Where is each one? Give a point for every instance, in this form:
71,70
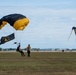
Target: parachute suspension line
70,34
18,37
7,32
75,37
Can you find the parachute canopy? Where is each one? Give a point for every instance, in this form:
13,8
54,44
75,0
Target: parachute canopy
74,28
17,21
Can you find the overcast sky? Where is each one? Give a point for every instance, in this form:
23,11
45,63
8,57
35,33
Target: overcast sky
50,23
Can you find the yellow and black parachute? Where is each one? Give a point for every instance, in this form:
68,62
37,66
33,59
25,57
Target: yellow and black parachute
17,21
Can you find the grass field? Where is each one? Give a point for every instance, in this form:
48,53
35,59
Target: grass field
40,63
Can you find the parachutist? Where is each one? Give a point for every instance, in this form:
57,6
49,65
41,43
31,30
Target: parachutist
19,50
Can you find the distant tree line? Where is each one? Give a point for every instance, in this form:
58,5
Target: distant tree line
10,49
37,49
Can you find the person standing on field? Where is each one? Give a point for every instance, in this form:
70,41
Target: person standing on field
28,50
